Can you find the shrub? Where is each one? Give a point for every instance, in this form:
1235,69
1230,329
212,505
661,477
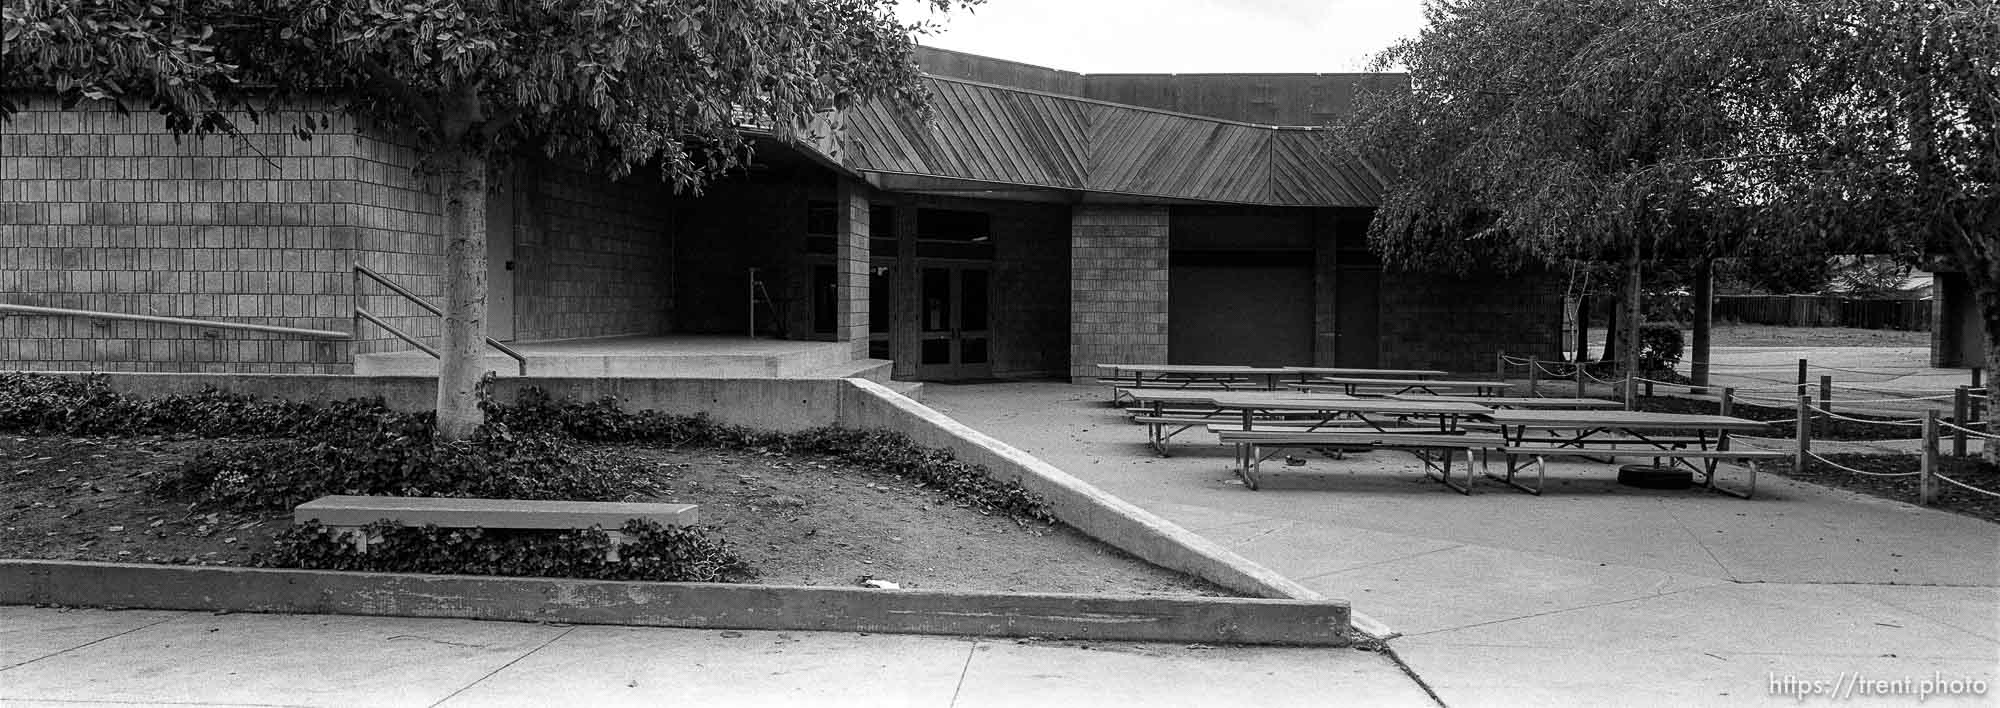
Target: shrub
33,403
1660,346
603,421
654,552
270,475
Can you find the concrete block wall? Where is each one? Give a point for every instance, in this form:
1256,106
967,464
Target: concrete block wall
593,256
394,219
1434,321
102,211
1118,286
851,265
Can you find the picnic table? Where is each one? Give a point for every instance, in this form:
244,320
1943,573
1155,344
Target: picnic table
1356,384
1308,371
1435,450
1446,415
1541,433
1190,376
1169,412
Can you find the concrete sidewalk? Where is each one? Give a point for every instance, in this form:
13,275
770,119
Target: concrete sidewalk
51,657
1593,594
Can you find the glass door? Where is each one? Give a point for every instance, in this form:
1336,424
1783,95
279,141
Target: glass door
954,334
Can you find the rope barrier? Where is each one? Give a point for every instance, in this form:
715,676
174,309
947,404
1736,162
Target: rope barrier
1913,422
1517,361
1593,377
1845,401
1965,486
1966,430
1767,402
1838,466
1887,372
1740,436
1552,372
1926,397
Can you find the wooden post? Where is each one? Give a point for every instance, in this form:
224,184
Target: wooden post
1728,401
1826,398
1803,432
1579,379
1975,378
1802,377
1631,393
1960,406
1649,389
1500,365
1927,470
1534,375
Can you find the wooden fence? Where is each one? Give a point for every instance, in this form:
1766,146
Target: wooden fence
1824,311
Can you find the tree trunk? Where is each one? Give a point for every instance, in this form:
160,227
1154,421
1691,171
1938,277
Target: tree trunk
1635,316
1704,321
1614,329
1583,328
463,176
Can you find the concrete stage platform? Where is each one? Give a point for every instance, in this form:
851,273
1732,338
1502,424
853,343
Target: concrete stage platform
673,356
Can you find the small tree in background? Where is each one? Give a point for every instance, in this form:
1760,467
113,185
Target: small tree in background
608,84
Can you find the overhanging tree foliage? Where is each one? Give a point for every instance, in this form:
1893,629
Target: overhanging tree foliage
1537,131
610,84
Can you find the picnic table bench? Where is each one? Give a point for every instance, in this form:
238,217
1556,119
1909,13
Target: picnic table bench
1353,385
1516,401
1250,446
1661,436
349,513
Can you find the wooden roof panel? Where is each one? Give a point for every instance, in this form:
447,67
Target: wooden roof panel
1014,136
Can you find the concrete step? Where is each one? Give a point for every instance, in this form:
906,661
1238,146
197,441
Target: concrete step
876,370
913,390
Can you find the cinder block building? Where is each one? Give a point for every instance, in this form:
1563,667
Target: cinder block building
1045,221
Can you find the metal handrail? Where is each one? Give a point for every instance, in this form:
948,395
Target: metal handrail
156,319
360,314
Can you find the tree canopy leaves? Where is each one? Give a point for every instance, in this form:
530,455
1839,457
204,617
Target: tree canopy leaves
610,83
1544,130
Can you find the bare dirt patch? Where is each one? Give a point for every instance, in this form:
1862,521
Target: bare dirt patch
799,520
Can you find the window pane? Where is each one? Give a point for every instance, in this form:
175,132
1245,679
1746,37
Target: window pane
937,351
826,300
972,350
973,313
881,292
937,300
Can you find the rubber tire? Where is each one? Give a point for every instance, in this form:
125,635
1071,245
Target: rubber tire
1650,477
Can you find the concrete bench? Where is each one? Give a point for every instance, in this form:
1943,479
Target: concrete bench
1249,443
350,513
1709,458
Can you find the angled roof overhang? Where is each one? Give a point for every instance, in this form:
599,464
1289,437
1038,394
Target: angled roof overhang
1017,143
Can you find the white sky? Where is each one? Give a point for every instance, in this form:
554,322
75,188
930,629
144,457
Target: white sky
1178,36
